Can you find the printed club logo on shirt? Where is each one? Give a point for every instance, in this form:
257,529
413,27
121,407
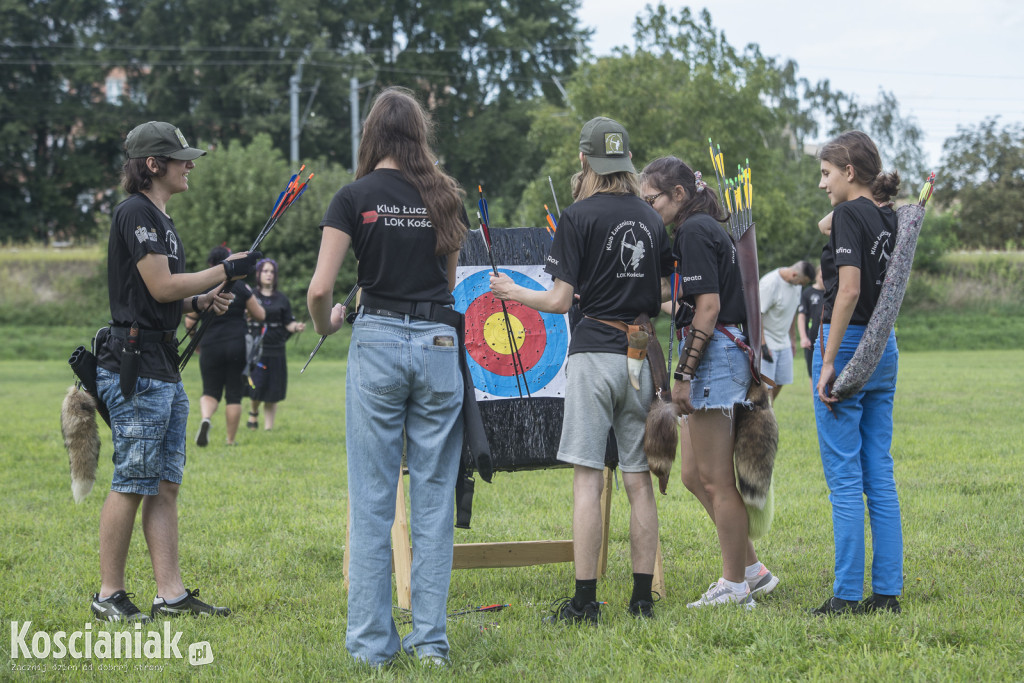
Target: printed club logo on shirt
172,245
632,251
142,234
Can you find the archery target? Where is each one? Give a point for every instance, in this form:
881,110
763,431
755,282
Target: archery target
542,339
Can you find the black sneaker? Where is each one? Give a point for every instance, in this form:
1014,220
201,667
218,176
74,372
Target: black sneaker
203,435
835,606
118,607
644,608
566,612
189,605
880,603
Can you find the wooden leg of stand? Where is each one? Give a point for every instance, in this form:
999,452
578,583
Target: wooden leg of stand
401,550
606,513
348,540
658,585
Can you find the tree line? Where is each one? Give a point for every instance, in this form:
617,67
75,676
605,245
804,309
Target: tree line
509,85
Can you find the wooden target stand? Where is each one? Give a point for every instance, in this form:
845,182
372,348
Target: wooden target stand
493,555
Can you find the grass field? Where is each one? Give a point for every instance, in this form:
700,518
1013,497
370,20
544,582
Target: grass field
262,530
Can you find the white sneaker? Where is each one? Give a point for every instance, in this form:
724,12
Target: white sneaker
764,582
721,594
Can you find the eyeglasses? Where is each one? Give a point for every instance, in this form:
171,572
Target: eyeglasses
651,198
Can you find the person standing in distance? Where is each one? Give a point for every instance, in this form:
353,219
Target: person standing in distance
780,297
808,317
139,380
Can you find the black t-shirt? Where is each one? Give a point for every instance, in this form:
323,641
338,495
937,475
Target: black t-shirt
279,315
810,305
392,238
708,265
139,228
613,249
230,327
863,236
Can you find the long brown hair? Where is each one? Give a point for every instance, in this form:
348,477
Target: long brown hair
397,127
854,148
665,173
586,183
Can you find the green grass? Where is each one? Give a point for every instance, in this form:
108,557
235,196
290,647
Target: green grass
263,529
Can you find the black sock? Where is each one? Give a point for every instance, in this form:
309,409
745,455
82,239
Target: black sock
586,591
641,588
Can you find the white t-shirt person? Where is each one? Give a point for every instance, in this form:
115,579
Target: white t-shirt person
780,297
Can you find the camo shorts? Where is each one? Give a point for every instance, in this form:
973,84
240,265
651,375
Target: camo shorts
148,432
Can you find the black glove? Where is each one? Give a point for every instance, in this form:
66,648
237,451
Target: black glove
239,268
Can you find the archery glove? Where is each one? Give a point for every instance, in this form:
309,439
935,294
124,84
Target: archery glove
239,268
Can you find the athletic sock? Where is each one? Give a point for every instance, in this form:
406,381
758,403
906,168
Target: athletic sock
753,570
641,588
174,601
586,591
736,587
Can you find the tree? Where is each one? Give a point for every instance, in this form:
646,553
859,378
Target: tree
982,171
227,72
684,84
233,190
59,140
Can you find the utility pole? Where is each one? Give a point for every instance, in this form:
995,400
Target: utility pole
353,105
293,96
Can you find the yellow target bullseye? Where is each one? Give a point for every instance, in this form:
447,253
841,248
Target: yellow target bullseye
496,334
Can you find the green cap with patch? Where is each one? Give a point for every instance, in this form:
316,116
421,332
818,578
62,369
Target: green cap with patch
605,143
159,139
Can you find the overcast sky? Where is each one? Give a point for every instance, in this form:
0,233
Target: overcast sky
948,63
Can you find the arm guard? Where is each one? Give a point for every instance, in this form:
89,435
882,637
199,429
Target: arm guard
689,357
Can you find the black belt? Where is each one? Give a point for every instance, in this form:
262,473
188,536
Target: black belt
167,336
395,308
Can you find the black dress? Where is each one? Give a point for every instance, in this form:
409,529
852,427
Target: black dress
271,375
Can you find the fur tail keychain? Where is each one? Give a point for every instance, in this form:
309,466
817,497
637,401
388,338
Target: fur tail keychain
81,439
661,430
757,440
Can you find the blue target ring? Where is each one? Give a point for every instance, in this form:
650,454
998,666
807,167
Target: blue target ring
555,331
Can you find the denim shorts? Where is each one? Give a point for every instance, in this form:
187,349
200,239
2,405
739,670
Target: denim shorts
780,369
723,376
599,397
148,432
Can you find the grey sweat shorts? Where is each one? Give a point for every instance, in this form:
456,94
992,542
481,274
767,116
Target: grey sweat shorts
599,397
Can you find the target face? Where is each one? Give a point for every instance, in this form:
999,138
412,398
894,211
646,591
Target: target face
542,339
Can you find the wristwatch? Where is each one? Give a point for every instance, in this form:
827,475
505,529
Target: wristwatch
678,374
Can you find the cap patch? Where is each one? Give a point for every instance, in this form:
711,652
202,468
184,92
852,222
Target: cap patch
613,143
181,138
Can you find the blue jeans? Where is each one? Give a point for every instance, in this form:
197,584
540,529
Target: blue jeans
854,439
400,379
148,432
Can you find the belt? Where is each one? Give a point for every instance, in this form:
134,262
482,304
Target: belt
145,336
395,308
742,326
